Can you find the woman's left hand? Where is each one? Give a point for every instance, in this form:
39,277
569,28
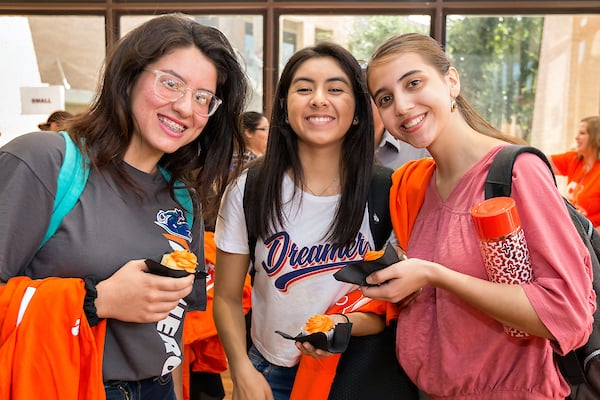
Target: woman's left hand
310,350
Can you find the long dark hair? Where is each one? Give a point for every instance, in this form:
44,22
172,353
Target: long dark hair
282,153
251,120
107,127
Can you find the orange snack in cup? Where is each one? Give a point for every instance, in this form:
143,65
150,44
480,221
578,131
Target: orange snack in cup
180,260
318,323
373,255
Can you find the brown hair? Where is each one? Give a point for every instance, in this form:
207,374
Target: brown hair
106,129
593,129
59,116
282,152
433,53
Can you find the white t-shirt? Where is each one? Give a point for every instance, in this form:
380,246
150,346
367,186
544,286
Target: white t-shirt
294,267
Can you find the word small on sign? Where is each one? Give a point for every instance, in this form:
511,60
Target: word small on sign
42,99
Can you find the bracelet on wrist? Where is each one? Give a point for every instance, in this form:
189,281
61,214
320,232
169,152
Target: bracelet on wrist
346,317
89,305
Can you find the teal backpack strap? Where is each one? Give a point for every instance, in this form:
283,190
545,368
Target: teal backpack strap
182,195
72,177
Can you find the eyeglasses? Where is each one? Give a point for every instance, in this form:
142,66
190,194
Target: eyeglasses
170,88
261,129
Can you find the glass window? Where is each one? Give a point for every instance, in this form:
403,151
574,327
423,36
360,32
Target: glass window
245,32
46,67
358,33
532,76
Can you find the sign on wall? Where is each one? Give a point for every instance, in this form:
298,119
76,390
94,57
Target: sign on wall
42,99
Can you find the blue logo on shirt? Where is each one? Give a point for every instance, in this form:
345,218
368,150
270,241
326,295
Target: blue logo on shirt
174,222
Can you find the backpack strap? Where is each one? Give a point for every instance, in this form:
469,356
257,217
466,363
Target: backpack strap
573,365
499,178
380,221
72,177
182,195
251,177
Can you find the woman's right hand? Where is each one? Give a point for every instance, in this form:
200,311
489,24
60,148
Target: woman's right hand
133,295
250,384
400,282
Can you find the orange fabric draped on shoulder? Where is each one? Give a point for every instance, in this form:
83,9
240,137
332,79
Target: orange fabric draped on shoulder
202,347
48,352
409,184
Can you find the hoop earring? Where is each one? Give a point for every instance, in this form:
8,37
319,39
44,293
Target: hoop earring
453,105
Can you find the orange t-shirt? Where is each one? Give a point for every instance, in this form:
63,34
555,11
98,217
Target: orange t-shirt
583,188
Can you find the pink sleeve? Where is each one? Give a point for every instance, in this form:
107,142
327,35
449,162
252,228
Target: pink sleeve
561,292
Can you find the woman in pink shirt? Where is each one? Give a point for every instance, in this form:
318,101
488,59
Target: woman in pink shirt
450,338
582,169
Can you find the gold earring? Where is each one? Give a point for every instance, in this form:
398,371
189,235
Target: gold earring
453,105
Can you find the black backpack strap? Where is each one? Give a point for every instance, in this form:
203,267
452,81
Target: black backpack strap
250,184
379,205
573,365
499,177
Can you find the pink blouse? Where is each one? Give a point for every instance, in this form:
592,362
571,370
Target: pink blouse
452,350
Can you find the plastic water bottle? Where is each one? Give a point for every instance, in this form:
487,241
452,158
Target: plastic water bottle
502,243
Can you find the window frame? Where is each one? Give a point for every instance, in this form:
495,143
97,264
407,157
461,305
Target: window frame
271,10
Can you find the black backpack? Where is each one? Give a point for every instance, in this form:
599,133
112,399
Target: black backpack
376,373
580,367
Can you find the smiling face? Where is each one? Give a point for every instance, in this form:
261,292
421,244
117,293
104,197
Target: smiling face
320,103
412,98
163,126
582,138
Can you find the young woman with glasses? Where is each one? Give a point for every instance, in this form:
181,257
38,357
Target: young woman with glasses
169,100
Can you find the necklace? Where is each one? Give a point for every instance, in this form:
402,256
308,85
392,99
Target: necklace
587,167
322,192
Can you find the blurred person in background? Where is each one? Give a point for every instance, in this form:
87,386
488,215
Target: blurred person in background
255,128
56,121
582,169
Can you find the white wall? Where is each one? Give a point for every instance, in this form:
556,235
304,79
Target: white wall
19,68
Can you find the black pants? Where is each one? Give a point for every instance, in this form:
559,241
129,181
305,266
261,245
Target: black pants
206,385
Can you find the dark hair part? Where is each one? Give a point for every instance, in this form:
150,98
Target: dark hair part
434,54
251,120
108,126
61,117
282,153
